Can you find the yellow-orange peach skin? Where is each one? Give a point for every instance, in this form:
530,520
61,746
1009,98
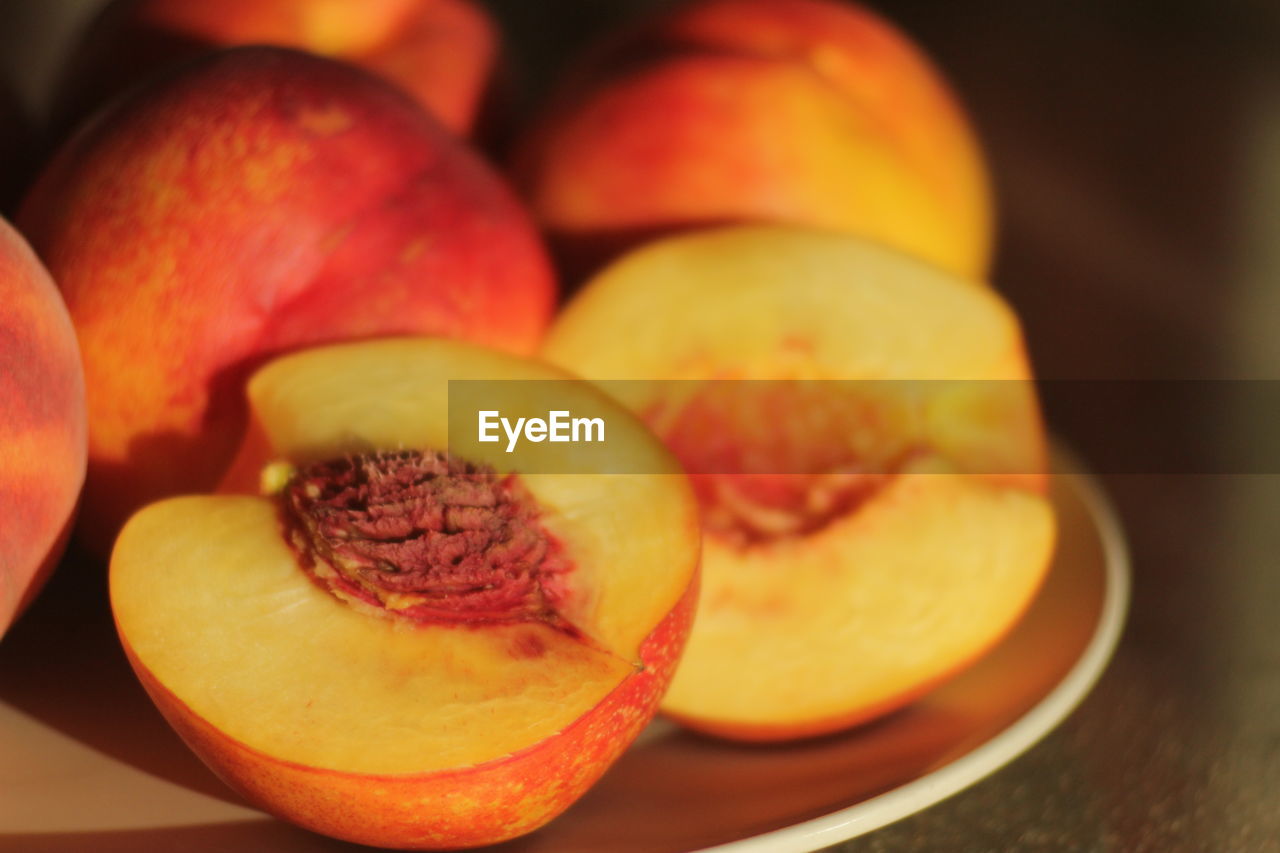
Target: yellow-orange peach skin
801,111
42,424
442,52
261,201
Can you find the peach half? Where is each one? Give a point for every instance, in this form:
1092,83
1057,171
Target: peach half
396,646
874,506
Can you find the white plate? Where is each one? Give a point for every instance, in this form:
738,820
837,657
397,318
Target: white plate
89,765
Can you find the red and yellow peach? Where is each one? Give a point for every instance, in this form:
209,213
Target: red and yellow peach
42,424
261,201
442,52
808,112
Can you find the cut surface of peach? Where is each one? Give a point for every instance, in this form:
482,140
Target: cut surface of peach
903,529
226,613
842,625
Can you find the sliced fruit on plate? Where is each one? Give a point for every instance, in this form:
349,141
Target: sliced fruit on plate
874,502
397,646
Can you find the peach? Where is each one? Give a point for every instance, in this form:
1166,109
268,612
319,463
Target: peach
809,112
874,507
261,201
401,647
442,52
42,424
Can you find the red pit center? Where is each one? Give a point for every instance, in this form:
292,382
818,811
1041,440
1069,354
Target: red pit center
423,536
771,460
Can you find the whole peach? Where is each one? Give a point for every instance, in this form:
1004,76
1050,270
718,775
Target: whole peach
260,201
808,112
442,52
42,424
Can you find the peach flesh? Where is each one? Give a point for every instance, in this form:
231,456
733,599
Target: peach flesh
773,459
814,618
386,696
436,733
837,628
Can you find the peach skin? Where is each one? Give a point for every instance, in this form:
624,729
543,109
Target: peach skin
808,112
42,424
874,507
260,201
442,52
397,646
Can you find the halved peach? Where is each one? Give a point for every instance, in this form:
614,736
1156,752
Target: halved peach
400,647
874,513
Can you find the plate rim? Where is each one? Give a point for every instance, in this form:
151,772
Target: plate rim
1008,744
